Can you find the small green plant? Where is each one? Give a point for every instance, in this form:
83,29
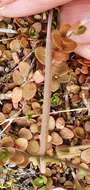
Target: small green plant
44,188
80,30
4,155
55,100
29,116
33,32
82,173
40,182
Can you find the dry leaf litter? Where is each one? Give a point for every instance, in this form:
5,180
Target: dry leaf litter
23,59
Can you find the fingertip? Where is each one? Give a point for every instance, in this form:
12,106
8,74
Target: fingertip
83,50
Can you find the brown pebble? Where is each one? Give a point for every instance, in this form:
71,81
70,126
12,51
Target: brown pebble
87,178
67,133
76,160
33,147
7,142
25,133
73,88
87,126
18,157
62,180
87,80
85,156
26,109
79,132
34,128
77,71
68,184
7,107
50,152
54,171
60,123
86,92
81,79
35,105
51,124
48,172
21,143
56,139
84,70
75,99
84,165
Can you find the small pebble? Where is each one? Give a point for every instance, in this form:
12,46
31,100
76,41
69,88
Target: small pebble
73,88
67,133
7,107
51,124
81,79
60,123
87,126
56,139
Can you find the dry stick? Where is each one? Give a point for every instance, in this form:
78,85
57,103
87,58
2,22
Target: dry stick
47,94
78,185
86,102
56,113
63,111
7,39
8,30
24,59
9,121
15,67
26,78
67,105
69,110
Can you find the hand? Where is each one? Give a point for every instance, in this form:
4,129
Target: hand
5,2
18,8
72,13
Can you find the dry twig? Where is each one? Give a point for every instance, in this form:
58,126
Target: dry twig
9,121
86,102
47,93
67,105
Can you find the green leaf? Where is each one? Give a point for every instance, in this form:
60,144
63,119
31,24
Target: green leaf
40,181
44,188
29,116
55,100
33,32
82,173
44,180
80,30
4,155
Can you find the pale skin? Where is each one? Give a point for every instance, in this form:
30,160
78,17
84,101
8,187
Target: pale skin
72,11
